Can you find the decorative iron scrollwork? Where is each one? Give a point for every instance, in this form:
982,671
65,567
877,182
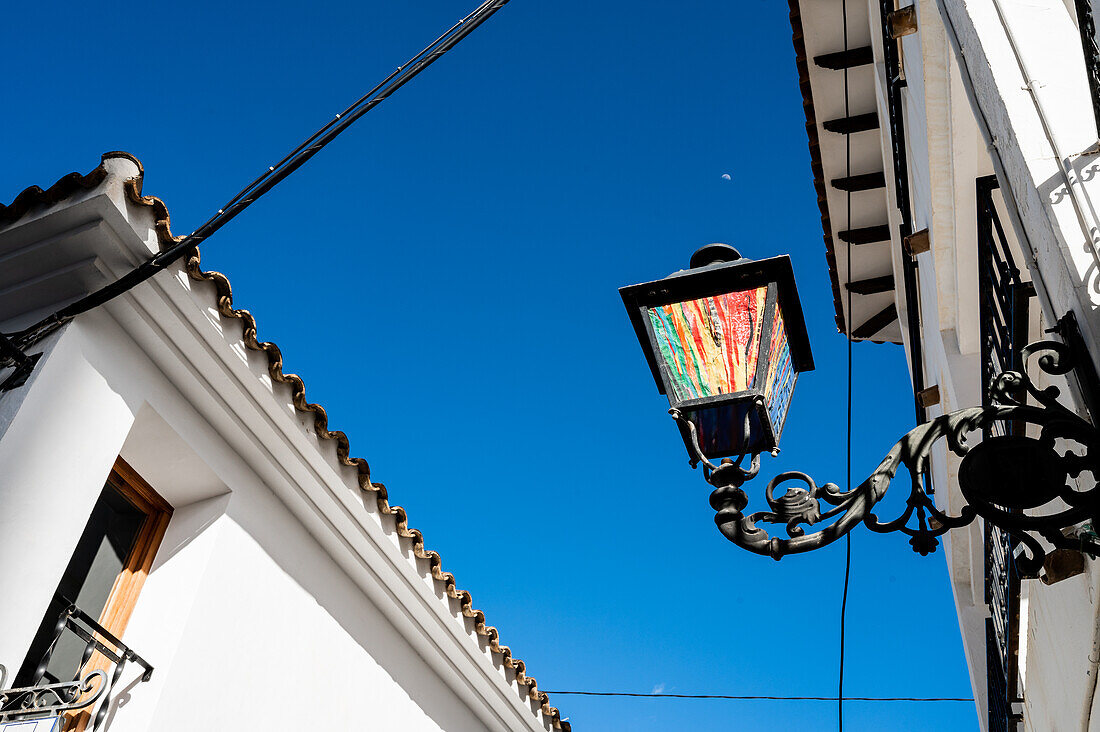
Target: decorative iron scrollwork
51,699
45,700
1018,483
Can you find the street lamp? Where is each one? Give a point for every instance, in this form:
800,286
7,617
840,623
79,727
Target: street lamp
726,340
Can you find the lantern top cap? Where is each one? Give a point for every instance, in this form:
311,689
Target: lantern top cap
713,254
710,276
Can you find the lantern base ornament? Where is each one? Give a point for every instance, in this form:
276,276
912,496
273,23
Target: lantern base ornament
1018,483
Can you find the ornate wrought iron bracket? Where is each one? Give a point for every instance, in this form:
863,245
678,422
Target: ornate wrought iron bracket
1018,483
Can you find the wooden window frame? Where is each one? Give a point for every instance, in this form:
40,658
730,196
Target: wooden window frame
123,598
124,593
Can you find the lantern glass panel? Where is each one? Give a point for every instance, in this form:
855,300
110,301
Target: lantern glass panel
710,346
725,342
780,376
727,367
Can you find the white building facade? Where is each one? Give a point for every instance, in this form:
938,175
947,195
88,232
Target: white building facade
166,489
961,137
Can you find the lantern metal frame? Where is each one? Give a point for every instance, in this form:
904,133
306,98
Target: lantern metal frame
719,269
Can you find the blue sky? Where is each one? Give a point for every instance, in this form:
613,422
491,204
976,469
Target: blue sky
444,277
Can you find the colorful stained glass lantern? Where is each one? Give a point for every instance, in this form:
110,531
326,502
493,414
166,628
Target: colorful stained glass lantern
725,341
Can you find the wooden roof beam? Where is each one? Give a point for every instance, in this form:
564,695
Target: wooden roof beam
846,59
872,285
861,182
853,124
877,322
865,235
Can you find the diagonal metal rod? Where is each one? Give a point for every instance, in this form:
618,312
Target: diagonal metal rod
269,179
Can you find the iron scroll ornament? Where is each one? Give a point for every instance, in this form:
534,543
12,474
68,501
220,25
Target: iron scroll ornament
1003,479
34,702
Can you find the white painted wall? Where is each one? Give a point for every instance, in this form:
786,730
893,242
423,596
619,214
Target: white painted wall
277,634
55,455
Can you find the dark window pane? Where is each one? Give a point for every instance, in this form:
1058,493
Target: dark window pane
99,558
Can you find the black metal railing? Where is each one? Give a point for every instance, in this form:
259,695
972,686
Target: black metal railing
1004,296
1004,307
1086,24
48,695
1001,718
894,105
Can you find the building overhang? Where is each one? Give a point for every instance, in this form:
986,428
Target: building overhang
853,181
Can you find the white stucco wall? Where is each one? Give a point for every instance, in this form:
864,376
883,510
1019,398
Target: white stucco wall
277,635
996,87
55,455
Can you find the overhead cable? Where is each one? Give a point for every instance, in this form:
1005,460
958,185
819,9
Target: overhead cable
848,443
267,180
749,697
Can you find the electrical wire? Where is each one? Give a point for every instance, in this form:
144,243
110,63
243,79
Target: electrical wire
266,180
848,333
771,698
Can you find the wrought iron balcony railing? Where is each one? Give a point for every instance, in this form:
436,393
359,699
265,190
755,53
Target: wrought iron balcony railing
48,696
1004,302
